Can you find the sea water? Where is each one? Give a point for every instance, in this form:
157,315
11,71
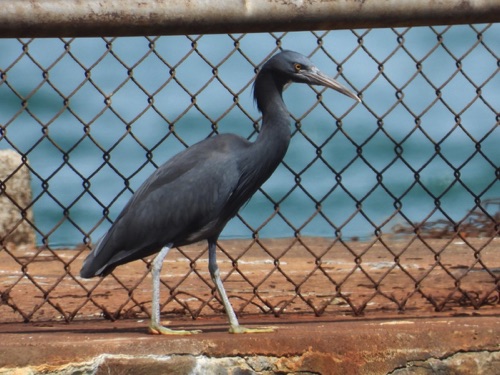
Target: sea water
82,113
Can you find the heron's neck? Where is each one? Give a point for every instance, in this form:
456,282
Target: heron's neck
275,130
274,137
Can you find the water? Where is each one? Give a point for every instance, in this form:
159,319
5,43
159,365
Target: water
346,191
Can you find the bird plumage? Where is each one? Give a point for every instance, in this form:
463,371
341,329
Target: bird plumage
171,206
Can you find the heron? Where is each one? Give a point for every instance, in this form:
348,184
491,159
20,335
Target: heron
192,196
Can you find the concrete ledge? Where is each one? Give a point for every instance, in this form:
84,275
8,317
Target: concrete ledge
459,345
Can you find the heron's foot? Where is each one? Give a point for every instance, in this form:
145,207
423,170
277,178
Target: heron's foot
241,329
157,329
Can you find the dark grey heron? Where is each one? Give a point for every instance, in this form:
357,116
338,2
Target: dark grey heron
193,195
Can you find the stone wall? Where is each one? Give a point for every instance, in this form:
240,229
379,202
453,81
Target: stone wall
15,199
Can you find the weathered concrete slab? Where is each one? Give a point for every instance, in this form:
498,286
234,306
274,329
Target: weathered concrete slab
288,283
458,345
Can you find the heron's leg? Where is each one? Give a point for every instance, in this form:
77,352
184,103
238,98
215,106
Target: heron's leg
215,275
155,326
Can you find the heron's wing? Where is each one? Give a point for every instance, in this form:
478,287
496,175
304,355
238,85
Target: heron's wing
181,202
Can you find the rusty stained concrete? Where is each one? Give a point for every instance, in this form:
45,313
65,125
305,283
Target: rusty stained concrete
309,345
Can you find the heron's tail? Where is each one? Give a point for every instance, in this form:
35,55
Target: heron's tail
92,266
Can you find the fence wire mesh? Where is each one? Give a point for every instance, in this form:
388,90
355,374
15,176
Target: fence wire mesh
392,209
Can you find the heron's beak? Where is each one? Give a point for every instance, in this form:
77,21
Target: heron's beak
315,77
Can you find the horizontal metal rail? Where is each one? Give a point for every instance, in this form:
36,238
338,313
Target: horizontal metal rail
62,18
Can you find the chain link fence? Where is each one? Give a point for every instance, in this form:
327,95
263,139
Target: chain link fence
389,206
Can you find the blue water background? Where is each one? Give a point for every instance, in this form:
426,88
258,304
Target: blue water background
35,121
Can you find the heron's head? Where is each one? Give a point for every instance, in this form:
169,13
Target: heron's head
294,67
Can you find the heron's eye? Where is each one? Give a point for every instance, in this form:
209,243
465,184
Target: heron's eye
297,67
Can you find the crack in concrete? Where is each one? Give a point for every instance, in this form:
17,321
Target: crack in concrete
186,364
483,362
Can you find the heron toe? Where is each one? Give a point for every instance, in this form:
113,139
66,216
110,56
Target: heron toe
241,329
161,330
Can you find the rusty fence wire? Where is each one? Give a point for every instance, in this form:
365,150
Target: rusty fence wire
386,207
